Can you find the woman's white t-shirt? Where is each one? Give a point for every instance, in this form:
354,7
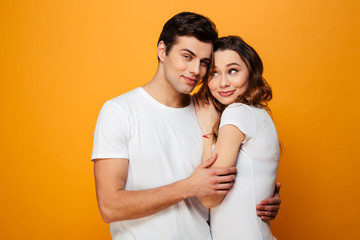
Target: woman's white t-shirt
257,163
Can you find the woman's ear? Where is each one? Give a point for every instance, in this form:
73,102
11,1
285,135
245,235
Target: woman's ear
161,51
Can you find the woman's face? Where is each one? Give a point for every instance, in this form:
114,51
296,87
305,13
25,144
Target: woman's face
230,78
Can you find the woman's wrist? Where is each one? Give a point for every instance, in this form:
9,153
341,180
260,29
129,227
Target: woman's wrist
207,135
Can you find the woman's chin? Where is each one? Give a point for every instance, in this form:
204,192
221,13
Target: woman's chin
225,102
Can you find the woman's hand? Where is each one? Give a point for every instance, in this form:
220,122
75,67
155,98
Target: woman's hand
207,115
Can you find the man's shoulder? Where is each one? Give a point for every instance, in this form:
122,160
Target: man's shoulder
128,96
124,103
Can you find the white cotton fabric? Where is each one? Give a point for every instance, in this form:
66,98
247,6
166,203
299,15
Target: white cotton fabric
257,163
163,145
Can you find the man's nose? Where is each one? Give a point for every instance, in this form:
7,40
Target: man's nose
194,67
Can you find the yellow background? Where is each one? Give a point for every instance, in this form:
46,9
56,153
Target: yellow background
61,60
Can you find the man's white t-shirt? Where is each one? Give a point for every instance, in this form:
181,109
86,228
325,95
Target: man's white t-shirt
257,164
163,145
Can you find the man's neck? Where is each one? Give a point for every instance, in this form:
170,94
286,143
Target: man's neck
164,92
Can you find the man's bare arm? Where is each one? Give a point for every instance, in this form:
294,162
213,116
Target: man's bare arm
117,204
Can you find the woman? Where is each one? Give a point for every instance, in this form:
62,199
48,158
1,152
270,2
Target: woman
245,137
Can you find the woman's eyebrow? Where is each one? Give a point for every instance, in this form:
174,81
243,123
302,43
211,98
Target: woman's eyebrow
230,64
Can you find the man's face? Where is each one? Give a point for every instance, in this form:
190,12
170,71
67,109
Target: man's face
186,63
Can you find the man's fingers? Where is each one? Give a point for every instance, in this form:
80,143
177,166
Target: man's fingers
208,163
225,171
277,187
268,208
224,186
264,218
276,200
266,214
225,179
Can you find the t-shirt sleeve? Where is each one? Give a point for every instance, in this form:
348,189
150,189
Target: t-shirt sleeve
241,117
111,133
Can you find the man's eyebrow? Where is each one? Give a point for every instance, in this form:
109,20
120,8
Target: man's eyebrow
192,53
189,51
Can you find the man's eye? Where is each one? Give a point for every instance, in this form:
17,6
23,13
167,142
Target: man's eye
188,57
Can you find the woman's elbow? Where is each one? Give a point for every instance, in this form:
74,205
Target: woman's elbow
210,203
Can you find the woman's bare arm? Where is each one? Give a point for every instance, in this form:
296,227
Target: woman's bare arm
227,148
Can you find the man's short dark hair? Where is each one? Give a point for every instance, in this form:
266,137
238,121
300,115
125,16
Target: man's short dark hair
188,24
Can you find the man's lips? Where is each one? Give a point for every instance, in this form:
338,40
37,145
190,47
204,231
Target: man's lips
190,80
226,93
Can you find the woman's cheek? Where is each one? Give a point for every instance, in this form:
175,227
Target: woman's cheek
212,85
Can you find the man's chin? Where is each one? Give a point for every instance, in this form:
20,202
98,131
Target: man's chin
186,90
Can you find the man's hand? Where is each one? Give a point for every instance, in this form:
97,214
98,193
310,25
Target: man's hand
205,182
269,208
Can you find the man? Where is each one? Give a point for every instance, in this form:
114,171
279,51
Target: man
148,145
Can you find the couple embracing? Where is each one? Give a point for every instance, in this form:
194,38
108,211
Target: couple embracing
163,157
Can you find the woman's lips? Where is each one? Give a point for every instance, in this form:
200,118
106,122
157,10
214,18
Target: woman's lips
226,93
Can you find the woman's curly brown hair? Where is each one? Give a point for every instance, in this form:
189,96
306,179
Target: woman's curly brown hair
259,92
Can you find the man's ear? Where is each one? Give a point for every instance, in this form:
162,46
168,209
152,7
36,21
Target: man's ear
161,50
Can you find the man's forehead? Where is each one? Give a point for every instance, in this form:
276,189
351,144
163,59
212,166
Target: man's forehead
195,46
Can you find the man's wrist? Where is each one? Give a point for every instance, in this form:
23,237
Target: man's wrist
184,188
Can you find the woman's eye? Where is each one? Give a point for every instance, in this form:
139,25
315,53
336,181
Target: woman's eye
215,73
233,71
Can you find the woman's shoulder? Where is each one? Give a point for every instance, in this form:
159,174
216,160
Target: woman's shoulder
238,108
236,111
241,112
241,116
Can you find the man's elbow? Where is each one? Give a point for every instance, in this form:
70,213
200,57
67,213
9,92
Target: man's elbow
106,214
106,219
110,214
